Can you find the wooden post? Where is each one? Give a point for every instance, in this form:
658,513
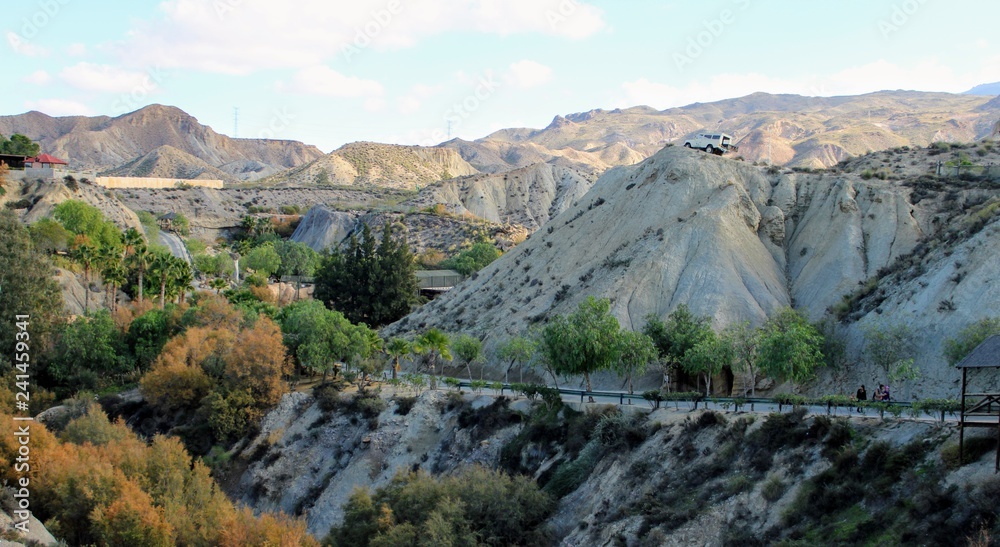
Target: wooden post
961,423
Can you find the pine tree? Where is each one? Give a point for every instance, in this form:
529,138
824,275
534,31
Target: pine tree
369,283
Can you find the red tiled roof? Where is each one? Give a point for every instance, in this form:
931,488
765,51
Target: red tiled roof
45,158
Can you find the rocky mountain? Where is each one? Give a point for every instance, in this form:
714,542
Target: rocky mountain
737,242
374,164
169,162
780,129
103,143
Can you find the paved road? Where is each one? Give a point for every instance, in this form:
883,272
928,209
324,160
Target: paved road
622,398
176,246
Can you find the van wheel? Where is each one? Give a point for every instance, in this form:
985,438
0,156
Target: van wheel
687,145
709,149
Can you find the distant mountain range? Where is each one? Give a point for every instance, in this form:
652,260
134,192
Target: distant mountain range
985,89
157,141
780,129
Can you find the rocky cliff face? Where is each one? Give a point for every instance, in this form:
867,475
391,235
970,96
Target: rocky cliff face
731,241
639,477
528,196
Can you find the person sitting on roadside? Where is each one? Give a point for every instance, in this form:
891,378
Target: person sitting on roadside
877,396
885,394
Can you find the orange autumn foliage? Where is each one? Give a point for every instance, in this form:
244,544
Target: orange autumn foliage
125,492
258,362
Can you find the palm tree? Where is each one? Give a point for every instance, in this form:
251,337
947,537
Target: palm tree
183,277
161,268
108,258
115,276
433,343
137,253
398,348
218,284
86,254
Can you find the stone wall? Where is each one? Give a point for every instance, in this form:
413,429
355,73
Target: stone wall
139,182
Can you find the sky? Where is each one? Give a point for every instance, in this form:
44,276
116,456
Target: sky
329,72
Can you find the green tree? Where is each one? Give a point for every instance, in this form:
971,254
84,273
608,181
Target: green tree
26,287
708,357
83,219
890,348
635,352
297,259
90,351
49,236
679,333
115,275
320,338
19,145
790,347
745,343
369,283
518,350
85,253
955,349
396,349
473,259
183,277
147,334
218,284
433,344
467,348
162,269
181,225
263,260
583,342
137,255
475,507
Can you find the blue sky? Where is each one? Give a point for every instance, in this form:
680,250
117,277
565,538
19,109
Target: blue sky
403,71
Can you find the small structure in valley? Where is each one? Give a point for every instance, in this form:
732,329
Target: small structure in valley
980,408
434,282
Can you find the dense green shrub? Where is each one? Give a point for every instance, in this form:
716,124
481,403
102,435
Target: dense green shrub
476,507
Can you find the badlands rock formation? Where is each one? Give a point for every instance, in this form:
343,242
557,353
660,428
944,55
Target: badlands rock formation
729,240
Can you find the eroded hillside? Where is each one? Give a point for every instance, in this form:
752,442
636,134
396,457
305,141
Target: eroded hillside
638,477
737,242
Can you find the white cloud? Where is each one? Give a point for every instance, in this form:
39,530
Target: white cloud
414,100
59,107
324,81
105,78
76,50
242,36
408,105
39,77
527,74
24,47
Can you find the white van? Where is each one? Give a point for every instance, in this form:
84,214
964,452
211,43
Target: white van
713,143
